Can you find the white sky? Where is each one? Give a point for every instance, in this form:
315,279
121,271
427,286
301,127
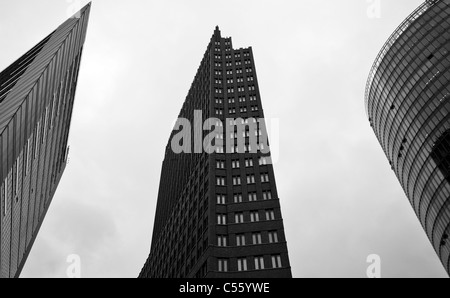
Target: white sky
340,200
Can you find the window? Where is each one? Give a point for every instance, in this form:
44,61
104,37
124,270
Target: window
254,216
17,182
219,101
251,179
44,138
252,196
264,178
242,264
220,181
270,214
221,219
222,240
219,112
221,199
252,98
231,100
239,217
27,156
218,90
273,236
230,90
220,164
256,237
263,161
5,196
249,69
267,195
241,99
250,79
240,240
36,147
222,265
276,261
248,162
236,180
259,263
232,111
237,198
235,164
243,110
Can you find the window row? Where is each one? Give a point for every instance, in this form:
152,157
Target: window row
221,180
241,239
242,263
237,197
254,216
241,99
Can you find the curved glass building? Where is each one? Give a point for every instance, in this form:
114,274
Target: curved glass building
408,105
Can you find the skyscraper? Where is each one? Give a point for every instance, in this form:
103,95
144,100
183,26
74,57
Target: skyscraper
36,101
218,214
408,105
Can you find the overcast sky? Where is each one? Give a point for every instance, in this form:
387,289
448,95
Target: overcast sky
340,200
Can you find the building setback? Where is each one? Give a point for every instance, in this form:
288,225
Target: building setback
408,105
218,215
36,101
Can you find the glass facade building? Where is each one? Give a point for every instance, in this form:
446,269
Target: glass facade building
408,105
218,215
36,102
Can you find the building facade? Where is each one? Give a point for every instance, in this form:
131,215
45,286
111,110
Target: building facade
408,105
36,101
218,215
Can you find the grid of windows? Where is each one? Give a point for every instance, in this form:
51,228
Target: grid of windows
232,88
408,108
34,155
